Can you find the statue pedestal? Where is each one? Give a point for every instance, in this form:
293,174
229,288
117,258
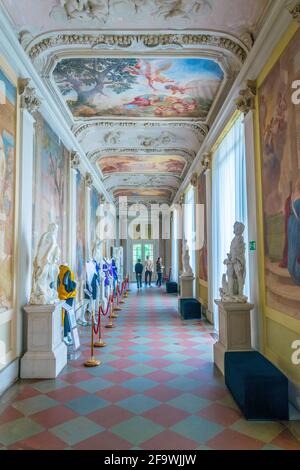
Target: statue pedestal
234,330
46,352
186,286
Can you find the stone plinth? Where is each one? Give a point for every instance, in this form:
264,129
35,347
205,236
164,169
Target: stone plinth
234,330
186,286
46,352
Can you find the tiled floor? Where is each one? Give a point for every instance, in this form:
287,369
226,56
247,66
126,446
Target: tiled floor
155,389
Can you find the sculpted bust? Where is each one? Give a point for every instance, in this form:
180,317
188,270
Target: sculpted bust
45,268
233,281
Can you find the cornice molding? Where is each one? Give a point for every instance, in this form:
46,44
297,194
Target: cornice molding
29,98
133,41
199,128
246,100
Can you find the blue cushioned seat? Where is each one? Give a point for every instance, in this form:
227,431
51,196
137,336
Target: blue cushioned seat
189,309
171,287
258,387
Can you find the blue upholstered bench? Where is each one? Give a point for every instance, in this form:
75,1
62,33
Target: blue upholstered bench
189,308
171,287
258,387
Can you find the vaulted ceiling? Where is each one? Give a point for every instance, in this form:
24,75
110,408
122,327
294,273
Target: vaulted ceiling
139,81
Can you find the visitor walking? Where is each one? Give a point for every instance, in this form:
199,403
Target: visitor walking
138,273
148,270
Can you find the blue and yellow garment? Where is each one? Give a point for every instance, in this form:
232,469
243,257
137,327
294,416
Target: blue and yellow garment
66,285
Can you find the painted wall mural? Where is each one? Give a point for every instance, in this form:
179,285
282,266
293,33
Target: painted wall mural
8,113
138,87
203,249
94,204
142,164
280,151
80,233
50,188
143,192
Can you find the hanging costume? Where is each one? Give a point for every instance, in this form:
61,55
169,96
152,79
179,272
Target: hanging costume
66,289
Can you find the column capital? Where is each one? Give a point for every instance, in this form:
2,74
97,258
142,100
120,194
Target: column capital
246,100
29,98
181,199
194,179
75,160
294,9
88,180
206,161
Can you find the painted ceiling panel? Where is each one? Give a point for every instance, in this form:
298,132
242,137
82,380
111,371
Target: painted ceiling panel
173,165
143,192
96,87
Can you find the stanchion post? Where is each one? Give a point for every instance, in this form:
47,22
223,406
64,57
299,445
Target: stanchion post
110,323
100,343
114,315
92,362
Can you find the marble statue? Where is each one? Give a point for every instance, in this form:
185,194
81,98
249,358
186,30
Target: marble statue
187,269
233,281
46,269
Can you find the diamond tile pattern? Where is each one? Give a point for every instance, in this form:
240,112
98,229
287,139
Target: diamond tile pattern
156,389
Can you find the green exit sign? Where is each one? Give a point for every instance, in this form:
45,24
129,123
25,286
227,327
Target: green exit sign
252,245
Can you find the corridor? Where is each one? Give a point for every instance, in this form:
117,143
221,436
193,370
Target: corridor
155,389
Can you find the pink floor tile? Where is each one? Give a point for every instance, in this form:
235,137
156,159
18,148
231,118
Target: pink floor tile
163,393
110,416
53,416
115,393
103,441
75,377
166,415
232,440
220,414
9,414
122,363
43,441
118,377
160,376
168,440
67,394
287,441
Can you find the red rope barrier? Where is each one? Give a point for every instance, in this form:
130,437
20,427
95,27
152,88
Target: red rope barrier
101,311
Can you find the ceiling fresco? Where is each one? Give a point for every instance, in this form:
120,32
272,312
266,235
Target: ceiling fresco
143,193
138,82
158,88
142,164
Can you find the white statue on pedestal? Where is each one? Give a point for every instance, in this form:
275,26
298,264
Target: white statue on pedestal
46,269
233,281
187,269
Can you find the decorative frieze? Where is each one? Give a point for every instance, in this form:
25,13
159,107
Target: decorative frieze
246,100
29,98
294,10
75,160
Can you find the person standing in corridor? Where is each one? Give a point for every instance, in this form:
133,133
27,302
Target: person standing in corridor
138,273
148,270
159,270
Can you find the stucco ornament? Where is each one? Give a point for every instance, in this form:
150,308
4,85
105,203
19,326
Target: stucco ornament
187,269
233,281
45,268
86,10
